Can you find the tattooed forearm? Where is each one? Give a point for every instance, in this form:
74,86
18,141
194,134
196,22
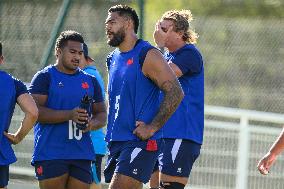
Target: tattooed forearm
173,95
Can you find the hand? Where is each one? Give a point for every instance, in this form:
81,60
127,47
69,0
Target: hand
143,131
13,138
265,163
79,115
90,126
160,36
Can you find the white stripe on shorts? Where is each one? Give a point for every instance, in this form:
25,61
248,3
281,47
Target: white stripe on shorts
135,153
175,149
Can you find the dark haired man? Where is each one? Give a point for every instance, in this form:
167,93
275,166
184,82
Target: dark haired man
63,152
12,91
137,73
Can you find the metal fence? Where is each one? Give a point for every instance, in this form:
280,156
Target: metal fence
243,56
234,141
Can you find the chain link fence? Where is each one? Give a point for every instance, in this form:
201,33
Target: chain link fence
243,57
26,27
243,62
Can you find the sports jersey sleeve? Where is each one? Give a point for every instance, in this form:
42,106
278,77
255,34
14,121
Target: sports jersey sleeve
98,95
40,83
189,61
20,87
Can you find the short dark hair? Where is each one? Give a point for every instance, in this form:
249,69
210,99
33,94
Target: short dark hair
126,11
0,48
68,35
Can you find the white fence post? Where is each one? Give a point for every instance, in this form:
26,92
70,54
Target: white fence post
243,153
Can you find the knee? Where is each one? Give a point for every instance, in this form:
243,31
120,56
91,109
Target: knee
172,185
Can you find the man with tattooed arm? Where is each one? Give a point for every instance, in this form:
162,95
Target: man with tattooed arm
137,73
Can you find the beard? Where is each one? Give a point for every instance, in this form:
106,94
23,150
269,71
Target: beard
117,38
71,65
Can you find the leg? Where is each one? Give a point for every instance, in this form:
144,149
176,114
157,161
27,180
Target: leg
74,183
171,185
132,166
177,161
96,186
120,181
80,174
154,181
56,182
52,174
168,178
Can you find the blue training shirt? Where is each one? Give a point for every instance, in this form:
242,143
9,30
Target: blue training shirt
132,96
98,136
64,91
188,120
10,89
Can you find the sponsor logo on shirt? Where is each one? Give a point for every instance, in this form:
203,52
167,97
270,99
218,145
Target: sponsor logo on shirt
179,170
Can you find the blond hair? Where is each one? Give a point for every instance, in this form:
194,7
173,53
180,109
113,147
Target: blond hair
181,20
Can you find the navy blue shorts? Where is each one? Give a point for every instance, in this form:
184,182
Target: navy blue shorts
79,169
135,159
4,175
178,157
96,168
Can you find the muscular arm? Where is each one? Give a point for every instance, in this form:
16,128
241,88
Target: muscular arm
176,69
47,115
28,106
156,68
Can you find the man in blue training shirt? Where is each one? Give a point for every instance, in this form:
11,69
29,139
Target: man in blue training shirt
97,136
183,132
63,152
12,91
137,73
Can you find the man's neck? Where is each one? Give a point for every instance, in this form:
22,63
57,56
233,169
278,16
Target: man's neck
175,46
62,69
128,43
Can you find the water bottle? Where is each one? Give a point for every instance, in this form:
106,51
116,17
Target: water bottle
85,104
